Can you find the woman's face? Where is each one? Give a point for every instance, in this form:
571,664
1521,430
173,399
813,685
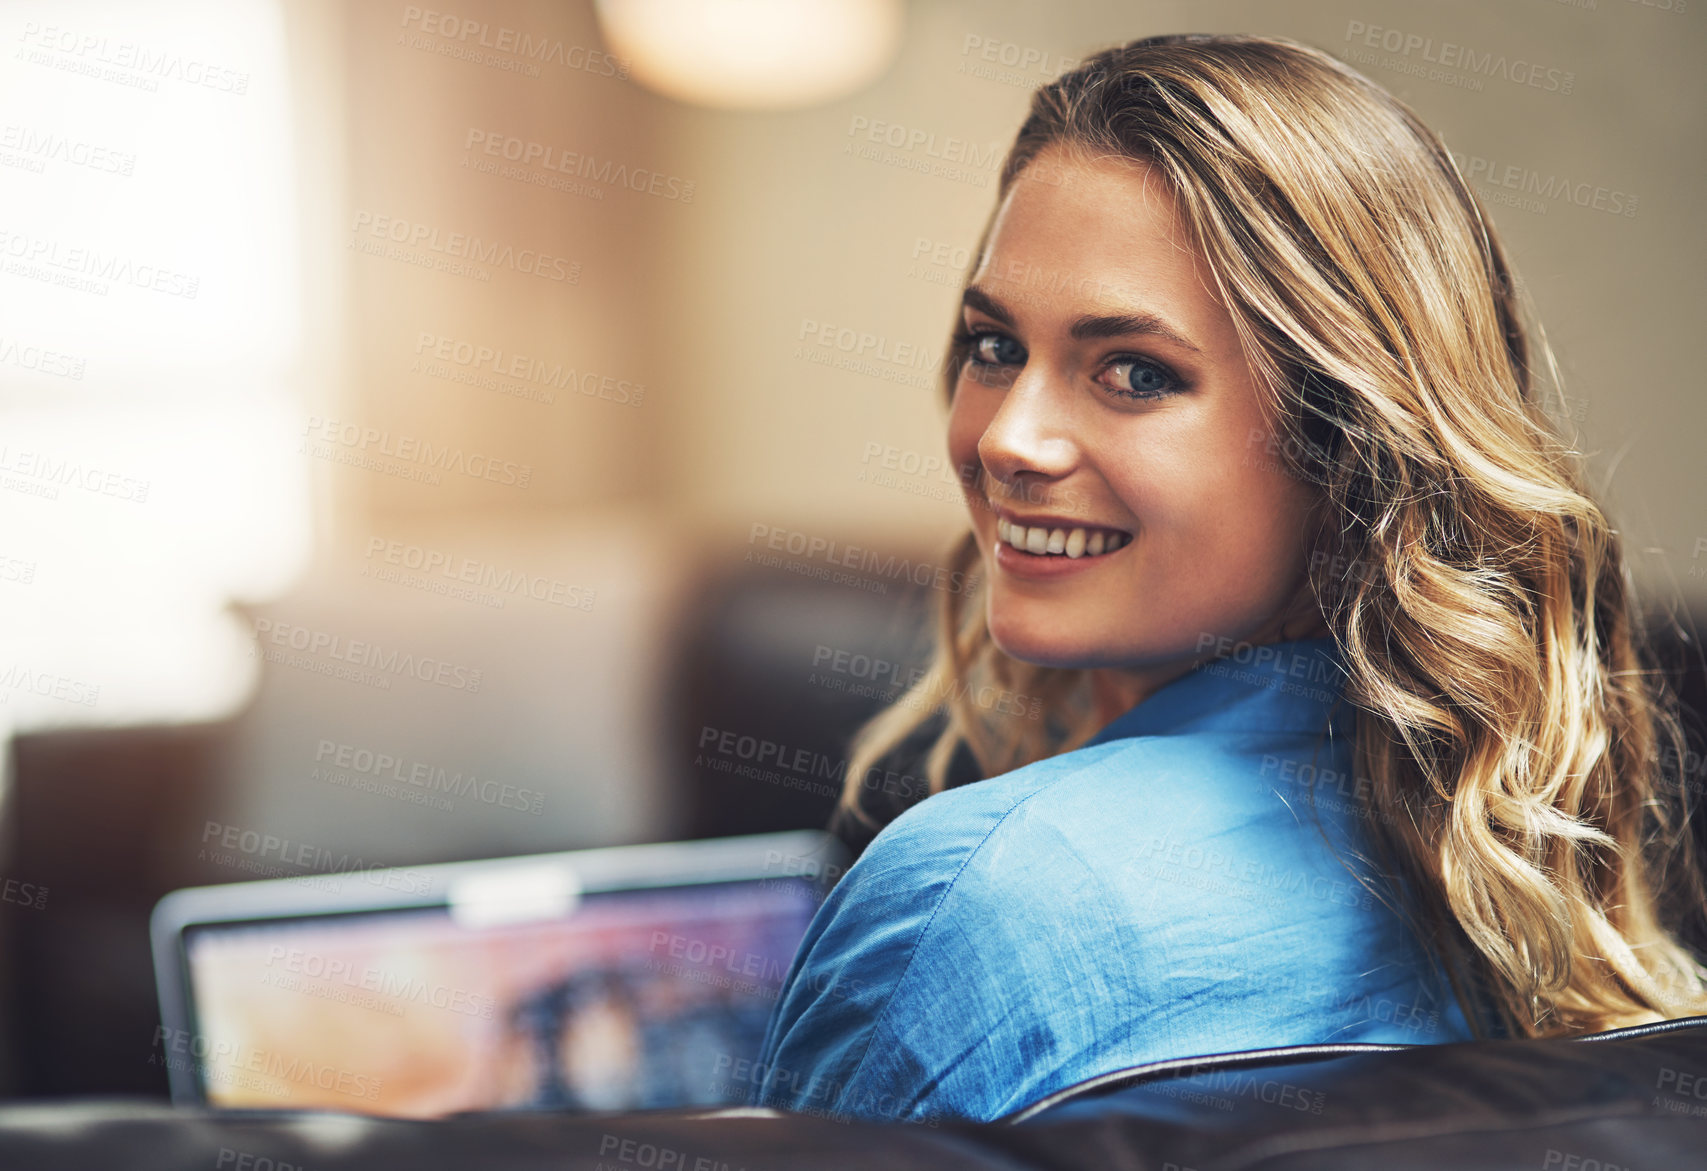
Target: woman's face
1107,391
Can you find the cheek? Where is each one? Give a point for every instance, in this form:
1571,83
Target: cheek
1259,525
1281,505
1216,521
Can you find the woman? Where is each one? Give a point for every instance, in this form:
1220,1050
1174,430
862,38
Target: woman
1345,733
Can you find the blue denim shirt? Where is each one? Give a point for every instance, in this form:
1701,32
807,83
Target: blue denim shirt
1174,888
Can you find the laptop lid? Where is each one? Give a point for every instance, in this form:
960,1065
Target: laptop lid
630,977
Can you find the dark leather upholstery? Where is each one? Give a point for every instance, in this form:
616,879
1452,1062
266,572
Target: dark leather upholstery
1291,1055
1632,1100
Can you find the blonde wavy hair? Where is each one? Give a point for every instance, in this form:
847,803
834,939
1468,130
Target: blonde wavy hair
1509,721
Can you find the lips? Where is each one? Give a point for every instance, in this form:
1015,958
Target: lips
1058,537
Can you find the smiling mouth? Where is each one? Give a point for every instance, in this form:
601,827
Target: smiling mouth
1074,543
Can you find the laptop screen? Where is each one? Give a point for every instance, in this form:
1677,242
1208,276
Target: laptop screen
636,999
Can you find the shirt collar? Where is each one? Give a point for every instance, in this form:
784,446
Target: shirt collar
1290,686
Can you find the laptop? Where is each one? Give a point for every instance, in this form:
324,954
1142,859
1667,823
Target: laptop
624,978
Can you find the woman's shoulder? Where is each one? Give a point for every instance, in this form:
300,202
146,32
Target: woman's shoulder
1126,901
902,926
1118,787
950,846
946,829
1165,833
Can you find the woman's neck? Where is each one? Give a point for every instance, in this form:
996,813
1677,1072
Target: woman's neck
1118,690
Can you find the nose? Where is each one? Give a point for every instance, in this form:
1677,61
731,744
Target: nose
1028,444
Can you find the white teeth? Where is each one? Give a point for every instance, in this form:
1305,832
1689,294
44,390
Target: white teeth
1070,542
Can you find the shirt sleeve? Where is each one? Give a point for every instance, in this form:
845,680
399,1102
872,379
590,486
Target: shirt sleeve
830,1045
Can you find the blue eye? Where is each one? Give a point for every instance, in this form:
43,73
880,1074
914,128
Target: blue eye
996,349
1144,379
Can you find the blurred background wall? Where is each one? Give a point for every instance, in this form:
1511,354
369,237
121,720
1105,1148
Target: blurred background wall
383,383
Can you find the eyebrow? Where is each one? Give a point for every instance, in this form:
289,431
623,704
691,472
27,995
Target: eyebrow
1089,327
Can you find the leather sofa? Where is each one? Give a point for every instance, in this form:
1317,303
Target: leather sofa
1627,1099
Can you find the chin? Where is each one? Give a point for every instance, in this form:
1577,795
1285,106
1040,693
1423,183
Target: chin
1038,645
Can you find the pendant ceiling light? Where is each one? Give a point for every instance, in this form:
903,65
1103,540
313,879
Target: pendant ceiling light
753,54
